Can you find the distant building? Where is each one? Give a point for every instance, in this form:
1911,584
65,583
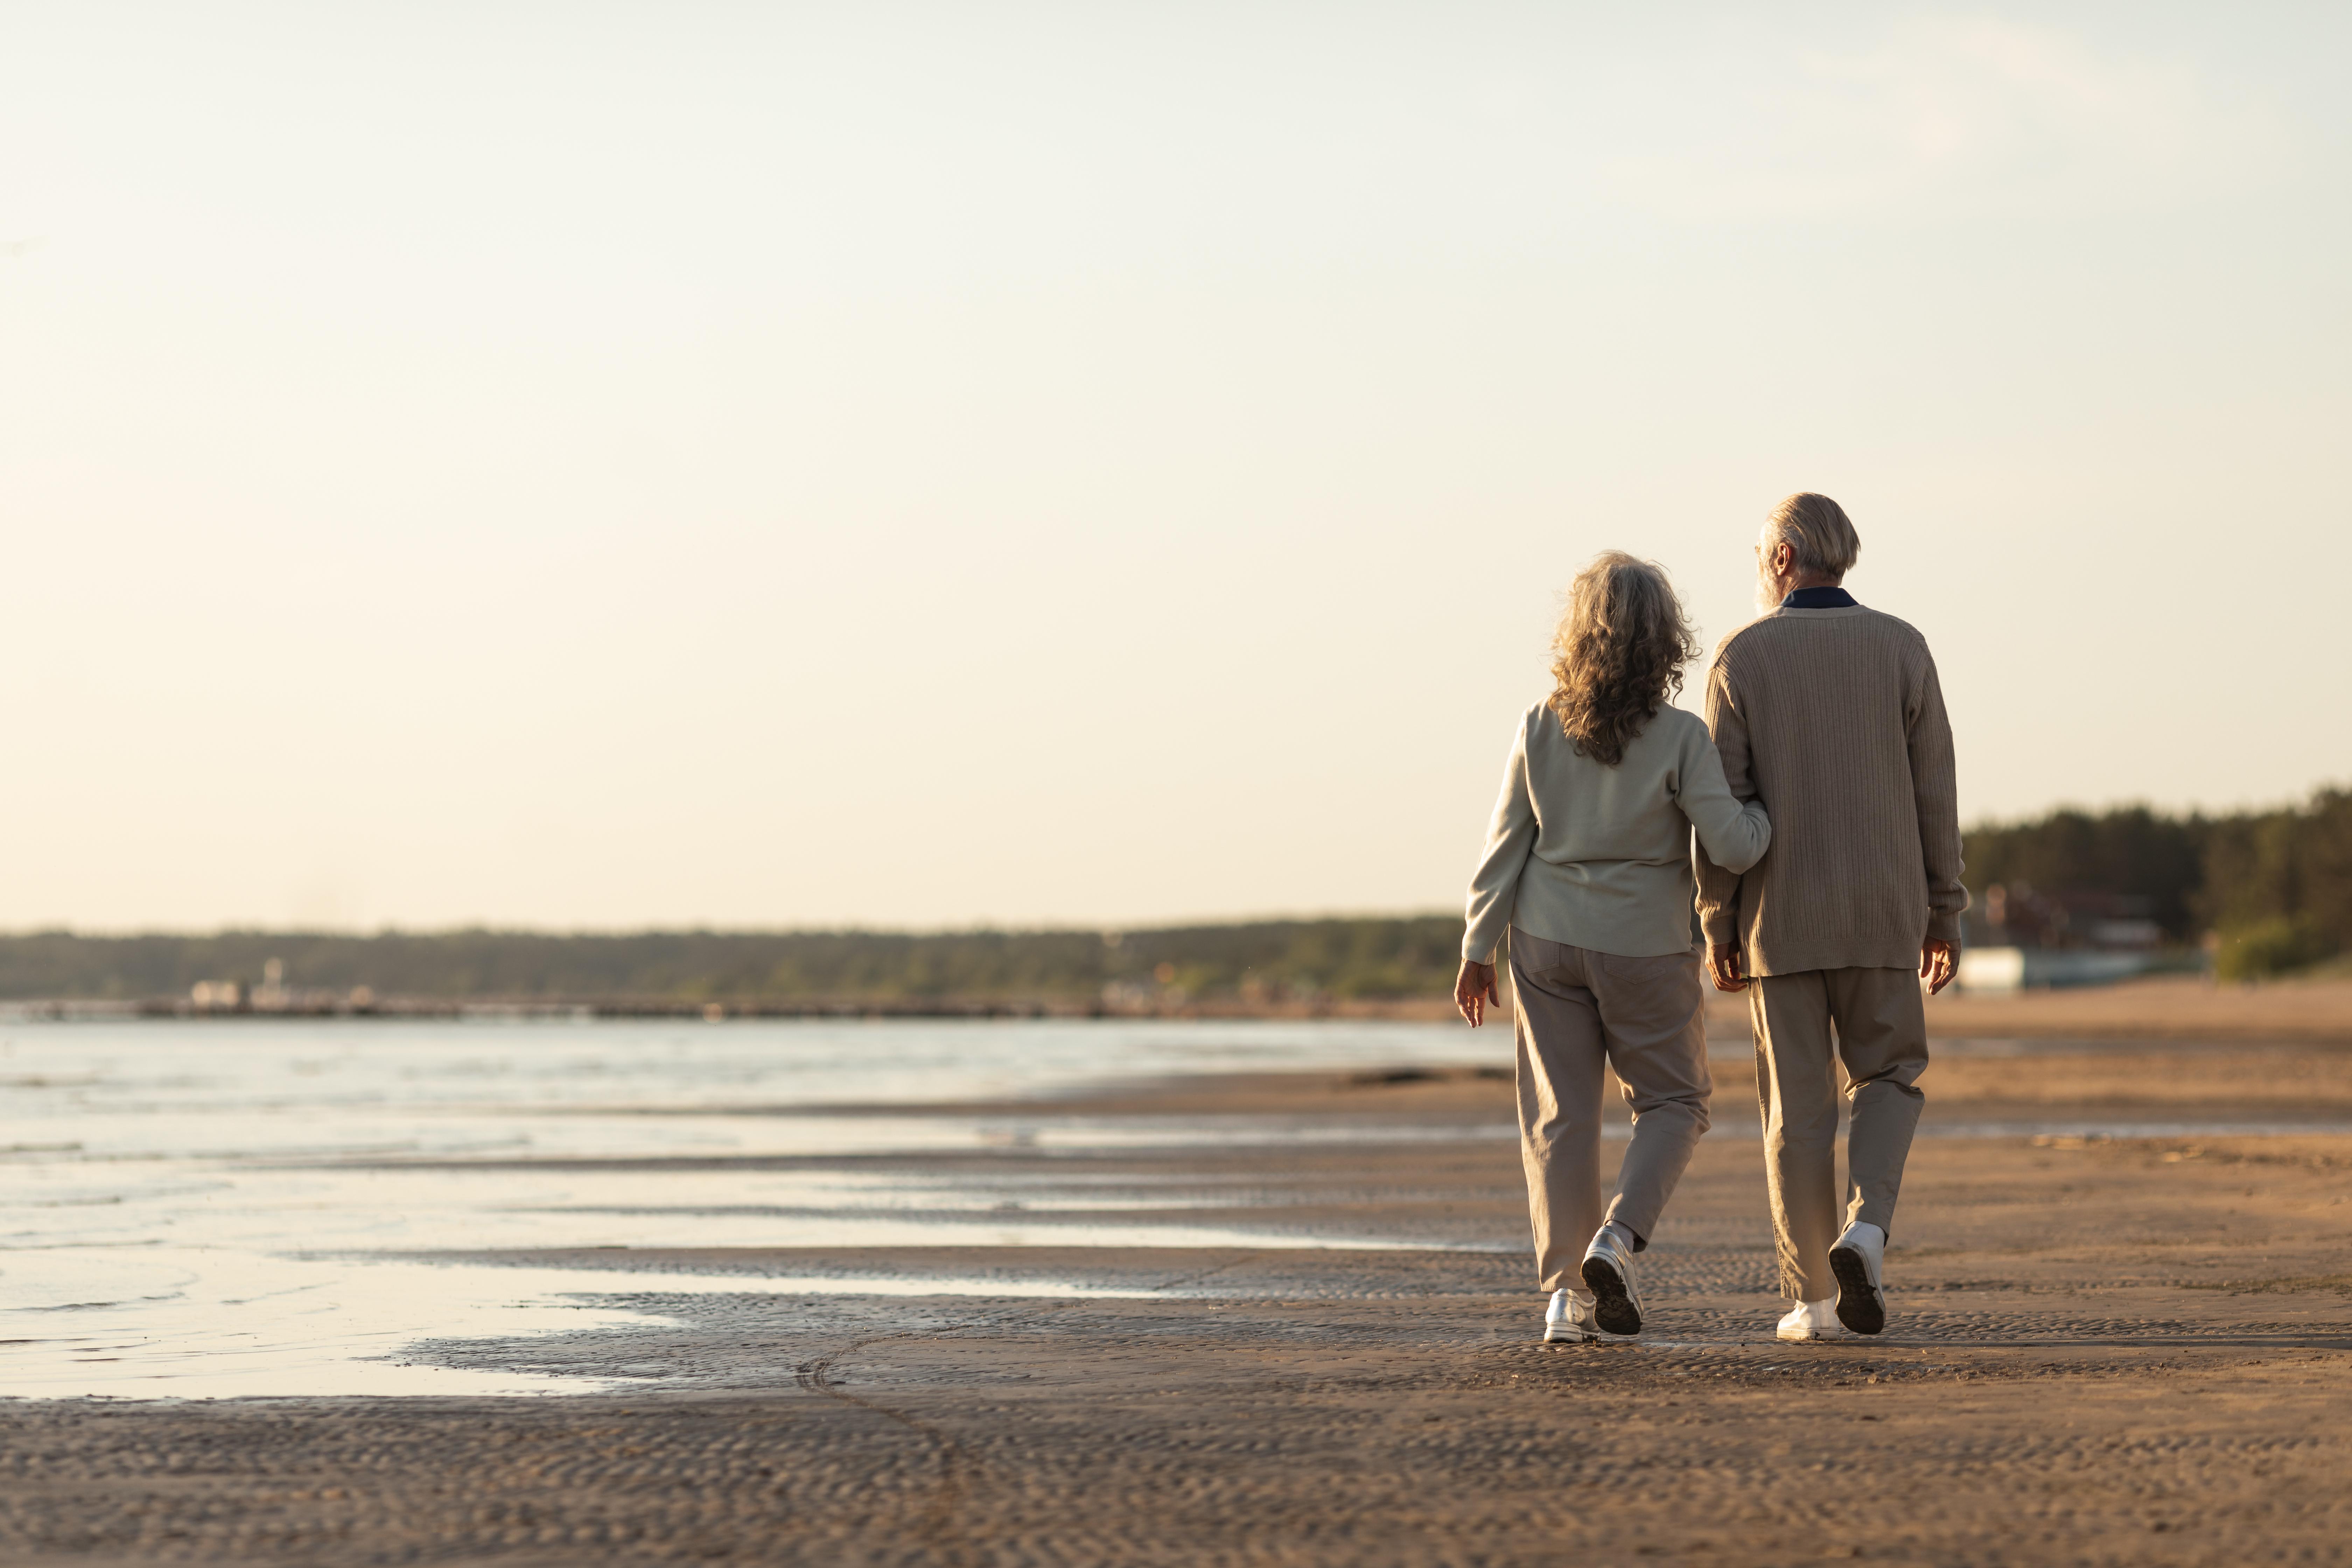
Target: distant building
2017,914
271,995
2020,936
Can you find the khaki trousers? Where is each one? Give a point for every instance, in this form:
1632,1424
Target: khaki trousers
1577,1011
1881,1034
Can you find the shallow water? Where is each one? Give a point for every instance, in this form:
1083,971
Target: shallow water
188,1209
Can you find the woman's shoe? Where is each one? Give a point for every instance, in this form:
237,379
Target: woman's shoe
1569,1318
1812,1320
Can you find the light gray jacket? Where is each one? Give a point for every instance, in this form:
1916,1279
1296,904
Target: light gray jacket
1600,857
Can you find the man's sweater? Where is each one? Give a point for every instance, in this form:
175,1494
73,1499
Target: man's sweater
1833,719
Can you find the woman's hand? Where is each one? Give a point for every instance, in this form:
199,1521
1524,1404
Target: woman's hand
1474,992
1723,967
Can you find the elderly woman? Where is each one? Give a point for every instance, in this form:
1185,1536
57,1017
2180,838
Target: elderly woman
1589,866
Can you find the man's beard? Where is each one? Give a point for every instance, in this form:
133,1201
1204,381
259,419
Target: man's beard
1768,590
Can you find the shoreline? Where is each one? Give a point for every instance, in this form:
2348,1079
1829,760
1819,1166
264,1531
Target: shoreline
2182,1007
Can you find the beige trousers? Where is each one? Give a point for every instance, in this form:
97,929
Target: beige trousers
1881,1034
1579,1011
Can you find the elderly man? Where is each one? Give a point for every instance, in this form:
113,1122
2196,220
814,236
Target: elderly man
1829,714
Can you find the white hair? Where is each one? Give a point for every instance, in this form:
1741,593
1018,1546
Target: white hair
1820,539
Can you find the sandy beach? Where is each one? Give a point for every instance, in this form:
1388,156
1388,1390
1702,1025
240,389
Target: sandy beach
2116,1338
2170,1007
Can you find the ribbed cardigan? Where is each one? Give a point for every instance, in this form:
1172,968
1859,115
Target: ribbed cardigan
1597,855
1835,720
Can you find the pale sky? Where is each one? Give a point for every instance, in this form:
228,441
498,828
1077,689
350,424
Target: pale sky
611,465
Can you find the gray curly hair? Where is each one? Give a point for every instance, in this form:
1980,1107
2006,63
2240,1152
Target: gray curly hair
1619,654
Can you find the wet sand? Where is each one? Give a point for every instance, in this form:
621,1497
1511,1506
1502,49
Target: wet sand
2105,1347
2170,1007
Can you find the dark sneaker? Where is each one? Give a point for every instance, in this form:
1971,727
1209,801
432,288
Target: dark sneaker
1859,1262
1609,1275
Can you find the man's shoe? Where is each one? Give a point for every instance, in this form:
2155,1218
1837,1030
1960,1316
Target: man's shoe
1568,1319
1810,1321
1609,1275
1859,1262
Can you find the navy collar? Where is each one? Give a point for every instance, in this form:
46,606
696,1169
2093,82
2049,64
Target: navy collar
1819,599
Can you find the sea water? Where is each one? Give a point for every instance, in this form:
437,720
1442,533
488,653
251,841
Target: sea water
201,1208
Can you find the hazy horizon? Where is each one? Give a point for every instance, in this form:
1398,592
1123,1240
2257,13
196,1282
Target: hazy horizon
1044,465
982,926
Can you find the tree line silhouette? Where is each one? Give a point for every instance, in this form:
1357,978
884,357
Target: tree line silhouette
2269,892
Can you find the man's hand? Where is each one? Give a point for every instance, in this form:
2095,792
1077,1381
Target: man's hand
1474,992
1937,962
1723,966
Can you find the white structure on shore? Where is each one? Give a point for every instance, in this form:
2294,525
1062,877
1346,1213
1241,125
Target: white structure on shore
2017,968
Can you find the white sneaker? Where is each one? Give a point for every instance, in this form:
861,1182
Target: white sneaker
1609,1275
1810,1321
1569,1317
1859,1261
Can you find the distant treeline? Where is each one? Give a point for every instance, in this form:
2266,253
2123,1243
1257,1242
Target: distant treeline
1276,962
2273,889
